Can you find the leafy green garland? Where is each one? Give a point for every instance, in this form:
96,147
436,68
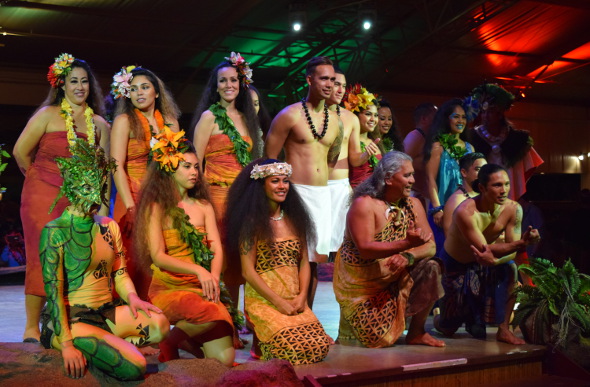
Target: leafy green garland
3,154
373,160
227,127
449,143
203,256
561,292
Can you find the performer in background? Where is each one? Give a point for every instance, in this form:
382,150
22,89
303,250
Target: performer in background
82,256
72,109
144,108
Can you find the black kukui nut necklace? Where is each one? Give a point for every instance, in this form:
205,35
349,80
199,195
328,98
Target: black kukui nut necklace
310,122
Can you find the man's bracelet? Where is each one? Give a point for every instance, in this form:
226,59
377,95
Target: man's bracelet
434,210
409,257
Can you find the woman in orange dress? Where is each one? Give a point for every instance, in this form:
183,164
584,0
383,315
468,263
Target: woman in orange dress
176,235
144,108
226,137
72,109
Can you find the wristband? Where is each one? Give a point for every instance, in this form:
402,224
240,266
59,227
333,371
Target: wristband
409,257
434,210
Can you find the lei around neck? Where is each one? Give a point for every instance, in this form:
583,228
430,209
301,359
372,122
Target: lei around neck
148,130
449,143
68,115
203,256
241,147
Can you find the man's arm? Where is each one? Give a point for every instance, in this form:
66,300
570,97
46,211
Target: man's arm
360,222
279,131
427,249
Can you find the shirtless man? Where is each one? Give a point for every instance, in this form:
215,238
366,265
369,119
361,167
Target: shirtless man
470,252
414,143
470,165
310,135
350,153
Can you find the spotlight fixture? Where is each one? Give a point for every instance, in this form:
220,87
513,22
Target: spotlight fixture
297,15
581,156
367,18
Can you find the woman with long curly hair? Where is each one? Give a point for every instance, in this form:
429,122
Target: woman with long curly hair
268,229
144,108
72,109
176,235
443,147
227,137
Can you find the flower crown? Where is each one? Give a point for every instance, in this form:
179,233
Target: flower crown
357,98
169,149
274,169
60,69
242,66
121,85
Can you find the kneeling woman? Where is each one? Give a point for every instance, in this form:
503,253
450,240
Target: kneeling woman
81,254
175,222
269,229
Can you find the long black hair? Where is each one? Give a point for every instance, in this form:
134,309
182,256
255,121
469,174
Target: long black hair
247,216
440,125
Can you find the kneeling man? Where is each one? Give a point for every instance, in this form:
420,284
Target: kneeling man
479,273
383,270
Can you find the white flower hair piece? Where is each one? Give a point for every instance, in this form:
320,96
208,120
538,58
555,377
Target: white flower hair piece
274,169
121,85
242,66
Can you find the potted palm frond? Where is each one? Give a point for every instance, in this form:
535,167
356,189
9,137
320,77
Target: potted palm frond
556,309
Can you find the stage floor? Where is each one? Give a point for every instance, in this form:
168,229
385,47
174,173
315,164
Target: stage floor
342,361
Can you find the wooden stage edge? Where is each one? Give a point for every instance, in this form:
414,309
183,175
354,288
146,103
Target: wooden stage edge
463,362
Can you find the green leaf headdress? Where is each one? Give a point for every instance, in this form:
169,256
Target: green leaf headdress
85,175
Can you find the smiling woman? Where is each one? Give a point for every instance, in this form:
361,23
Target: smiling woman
144,109
68,112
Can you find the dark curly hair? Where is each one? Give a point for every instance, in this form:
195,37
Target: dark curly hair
440,125
159,187
164,103
243,104
94,100
247,216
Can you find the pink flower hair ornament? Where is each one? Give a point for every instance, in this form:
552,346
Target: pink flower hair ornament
242,66
121,85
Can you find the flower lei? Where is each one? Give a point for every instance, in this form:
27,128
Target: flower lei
59,70
373,160
148,129
241,147
449,143
242,66
169,148
121,85
357,98
67,114
202,256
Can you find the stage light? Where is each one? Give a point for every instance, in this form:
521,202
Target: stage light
367,18
581,156
297,15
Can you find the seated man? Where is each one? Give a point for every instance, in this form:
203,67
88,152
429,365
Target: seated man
470,165
383,271
479,273
82,255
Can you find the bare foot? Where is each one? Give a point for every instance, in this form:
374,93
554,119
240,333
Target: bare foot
148,351
32,334
424,339
504,335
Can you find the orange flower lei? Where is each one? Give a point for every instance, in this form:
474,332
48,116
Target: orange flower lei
148,130
169,148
